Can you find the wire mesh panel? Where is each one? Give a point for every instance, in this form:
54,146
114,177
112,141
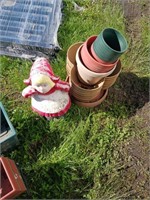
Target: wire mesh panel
29,26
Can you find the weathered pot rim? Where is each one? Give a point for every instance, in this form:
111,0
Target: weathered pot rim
99,85
74,46
91,104
118,69
79,61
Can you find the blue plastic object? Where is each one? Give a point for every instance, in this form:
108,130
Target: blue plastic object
8,137
26,26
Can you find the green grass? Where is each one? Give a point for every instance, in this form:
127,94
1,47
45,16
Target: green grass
78,156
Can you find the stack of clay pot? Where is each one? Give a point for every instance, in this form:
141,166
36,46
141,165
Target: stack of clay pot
93,66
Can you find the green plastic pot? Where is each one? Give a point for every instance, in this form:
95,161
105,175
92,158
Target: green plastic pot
109,45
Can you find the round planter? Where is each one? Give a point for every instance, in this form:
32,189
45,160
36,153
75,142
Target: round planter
94,103
111,79
90,62
96,57
82,92
70,60
109,45
67,79
87,76
68,69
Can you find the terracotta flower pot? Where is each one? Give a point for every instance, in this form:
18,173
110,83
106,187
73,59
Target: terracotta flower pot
87,76
70,60
68,69
90,62
82,92
94,103
109,45
111,79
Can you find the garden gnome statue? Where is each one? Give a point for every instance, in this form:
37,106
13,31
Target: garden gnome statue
49,95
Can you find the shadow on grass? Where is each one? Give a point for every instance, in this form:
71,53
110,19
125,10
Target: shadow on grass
56,180
129,90
36,135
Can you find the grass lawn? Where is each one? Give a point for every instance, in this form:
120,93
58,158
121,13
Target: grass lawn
90,153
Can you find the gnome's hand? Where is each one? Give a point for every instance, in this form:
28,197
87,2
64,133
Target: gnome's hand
63,85
27,81
28,91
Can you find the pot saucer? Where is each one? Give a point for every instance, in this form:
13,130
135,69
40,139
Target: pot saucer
91,104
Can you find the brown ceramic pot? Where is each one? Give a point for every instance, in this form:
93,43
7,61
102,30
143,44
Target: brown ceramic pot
111,79
87,76
90,62
68,69
94,103
71,53
82,92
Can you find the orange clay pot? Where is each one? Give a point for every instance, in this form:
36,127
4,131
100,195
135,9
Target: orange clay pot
111,79
70,59
95,103
82,92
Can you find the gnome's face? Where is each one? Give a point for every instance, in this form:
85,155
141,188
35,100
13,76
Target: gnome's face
42,83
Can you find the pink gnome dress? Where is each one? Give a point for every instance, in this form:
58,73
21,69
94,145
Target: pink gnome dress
49,95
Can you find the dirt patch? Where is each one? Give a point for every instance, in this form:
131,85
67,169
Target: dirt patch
142,118
134,153
135,173
131,91
134,93
133,11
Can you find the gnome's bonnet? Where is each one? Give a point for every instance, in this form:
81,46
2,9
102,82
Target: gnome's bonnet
41,68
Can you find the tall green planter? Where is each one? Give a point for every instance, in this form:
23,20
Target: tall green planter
109,45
